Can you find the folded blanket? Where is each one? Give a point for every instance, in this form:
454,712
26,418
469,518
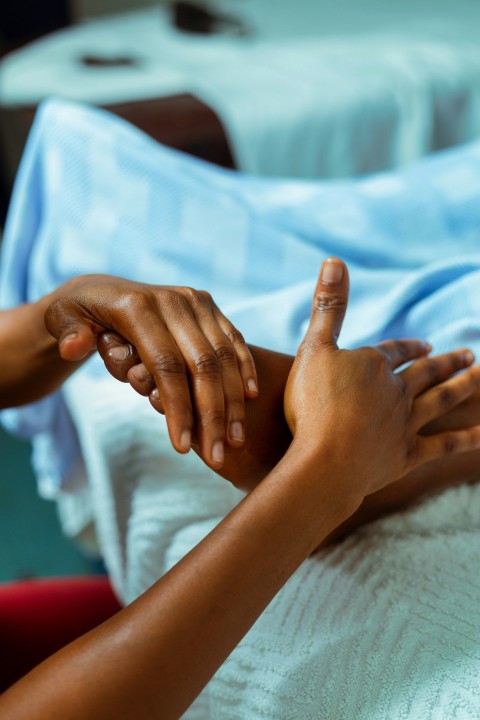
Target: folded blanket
384,625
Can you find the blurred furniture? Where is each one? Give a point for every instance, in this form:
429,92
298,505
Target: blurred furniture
179,121
25,20
312,90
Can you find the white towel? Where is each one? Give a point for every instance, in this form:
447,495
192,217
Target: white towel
384,626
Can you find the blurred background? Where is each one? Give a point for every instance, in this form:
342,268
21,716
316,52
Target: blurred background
309,89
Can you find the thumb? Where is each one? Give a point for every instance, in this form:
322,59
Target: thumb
329,303
74,333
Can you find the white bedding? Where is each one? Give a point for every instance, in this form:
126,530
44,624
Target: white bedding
384,626
319,89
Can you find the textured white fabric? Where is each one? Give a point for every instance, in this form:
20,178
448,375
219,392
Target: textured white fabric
385,626
320,89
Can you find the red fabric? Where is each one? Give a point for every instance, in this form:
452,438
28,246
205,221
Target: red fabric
38,617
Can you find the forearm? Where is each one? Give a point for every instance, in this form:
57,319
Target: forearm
31,364
154,657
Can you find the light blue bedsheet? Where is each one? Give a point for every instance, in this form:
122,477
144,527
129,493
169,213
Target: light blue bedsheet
93,194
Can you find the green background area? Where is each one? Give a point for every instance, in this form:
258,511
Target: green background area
31,540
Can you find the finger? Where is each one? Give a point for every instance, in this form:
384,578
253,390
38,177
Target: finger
75,336
452,442
246,363
206,381
156,401
163,360
427,372
400,352
117,353
140,379
442,398
232,382
329,304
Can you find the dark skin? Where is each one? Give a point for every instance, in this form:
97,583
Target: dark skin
267,437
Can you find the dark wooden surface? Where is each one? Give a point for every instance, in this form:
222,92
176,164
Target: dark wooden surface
180,121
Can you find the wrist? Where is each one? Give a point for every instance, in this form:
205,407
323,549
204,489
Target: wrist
308,494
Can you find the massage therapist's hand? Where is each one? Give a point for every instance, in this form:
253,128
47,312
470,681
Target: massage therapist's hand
172,344
367,415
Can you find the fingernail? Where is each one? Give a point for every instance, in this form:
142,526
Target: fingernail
155,395
120,352
70,336
140,373
236,431
427,346
217,452
186,440
468,357
332,271
252,385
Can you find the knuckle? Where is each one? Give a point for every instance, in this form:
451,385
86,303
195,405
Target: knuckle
446,397
167,364
183,296
211,417
133,301
403,350
204,297
225,354
328,302
207,366
433,371
235,337
449,443
376,356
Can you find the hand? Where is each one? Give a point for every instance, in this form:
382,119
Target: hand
171,343
369,416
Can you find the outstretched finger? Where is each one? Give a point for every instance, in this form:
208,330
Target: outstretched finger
400,352
329,304
441,445
442,398
427,372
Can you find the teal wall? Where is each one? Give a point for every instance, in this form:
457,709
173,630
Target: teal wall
31,541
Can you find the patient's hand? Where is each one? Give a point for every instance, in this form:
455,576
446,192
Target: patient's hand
172,344
367,414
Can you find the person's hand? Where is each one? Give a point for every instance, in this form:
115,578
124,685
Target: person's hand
368,416
172,344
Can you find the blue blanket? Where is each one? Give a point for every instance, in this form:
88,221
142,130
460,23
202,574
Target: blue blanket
94,194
